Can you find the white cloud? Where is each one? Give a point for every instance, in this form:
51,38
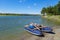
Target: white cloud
35,4
28,7
22,1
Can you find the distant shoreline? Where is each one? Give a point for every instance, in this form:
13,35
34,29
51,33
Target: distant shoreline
11,14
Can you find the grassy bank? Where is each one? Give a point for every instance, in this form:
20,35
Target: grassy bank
53,18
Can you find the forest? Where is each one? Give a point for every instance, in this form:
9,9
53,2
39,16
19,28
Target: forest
51,10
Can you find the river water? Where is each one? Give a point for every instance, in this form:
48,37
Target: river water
11,27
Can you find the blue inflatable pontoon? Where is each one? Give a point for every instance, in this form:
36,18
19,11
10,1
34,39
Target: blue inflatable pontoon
35,32
47,29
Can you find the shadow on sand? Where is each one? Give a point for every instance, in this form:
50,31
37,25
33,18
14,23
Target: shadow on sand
41,35
51,32
44,35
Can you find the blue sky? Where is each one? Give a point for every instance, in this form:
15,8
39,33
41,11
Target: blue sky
25,6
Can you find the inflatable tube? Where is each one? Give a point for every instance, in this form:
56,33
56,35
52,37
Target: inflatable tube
47,29
33,31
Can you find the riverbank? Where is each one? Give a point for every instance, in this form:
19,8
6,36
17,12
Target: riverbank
48,36
12,28
55,19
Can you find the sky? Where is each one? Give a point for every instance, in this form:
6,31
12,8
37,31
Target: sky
25,6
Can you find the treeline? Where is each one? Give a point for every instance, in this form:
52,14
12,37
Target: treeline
15,14
52,10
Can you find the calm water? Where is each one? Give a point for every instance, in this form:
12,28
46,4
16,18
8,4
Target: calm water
11,27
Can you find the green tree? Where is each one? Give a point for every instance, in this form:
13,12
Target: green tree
52,10
43,10
58,8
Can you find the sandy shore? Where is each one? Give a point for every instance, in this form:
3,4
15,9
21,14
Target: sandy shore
47,36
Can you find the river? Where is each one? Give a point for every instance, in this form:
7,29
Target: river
11,27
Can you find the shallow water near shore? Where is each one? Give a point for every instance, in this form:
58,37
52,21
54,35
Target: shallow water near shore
12,27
